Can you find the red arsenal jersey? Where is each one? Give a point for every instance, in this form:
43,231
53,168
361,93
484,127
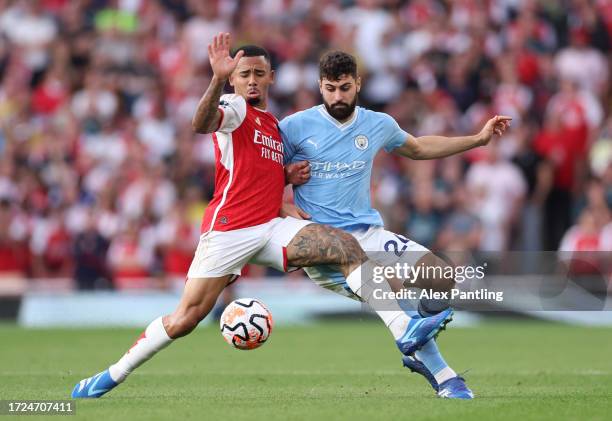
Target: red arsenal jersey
249,175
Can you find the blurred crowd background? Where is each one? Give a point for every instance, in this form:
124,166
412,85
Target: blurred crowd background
102,179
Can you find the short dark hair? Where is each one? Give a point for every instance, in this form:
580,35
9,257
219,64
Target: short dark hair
252,51
334,64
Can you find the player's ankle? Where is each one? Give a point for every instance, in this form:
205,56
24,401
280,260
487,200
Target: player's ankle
445,374
117,373
398,325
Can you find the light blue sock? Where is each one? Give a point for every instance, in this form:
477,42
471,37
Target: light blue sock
430,355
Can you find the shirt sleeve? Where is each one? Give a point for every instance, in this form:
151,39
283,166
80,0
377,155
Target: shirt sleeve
233,112
393,135
289,139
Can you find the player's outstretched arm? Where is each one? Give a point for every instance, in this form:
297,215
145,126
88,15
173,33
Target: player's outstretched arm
207,115
433,147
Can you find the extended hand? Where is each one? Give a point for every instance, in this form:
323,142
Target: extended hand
497,125
219,55
289,209
297,173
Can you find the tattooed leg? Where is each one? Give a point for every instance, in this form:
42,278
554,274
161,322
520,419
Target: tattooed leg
317,244
323,245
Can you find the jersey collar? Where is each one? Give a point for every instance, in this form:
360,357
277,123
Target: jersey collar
341,126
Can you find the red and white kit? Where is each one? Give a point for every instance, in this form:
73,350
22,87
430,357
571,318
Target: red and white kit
241,223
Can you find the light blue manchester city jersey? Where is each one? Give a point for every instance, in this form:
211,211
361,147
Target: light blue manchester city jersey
341,156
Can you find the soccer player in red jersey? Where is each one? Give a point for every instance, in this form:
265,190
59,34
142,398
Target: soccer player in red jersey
242,225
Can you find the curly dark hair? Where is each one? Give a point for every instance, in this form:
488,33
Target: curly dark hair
334,64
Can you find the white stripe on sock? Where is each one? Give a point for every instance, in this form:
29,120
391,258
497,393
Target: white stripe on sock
445,374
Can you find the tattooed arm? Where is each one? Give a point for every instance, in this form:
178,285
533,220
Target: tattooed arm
207,115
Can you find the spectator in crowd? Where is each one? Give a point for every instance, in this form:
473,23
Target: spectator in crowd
14,252
538,174
50,246
462,230
131,257
177,237
90,248
497,192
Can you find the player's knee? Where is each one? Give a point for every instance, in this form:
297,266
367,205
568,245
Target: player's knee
357,256
354,255
445,281
183,322
439,275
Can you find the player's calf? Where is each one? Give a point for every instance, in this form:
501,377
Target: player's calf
190,311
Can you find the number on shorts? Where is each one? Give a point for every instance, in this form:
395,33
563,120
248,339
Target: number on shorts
392,245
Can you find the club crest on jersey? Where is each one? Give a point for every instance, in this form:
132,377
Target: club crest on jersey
361,142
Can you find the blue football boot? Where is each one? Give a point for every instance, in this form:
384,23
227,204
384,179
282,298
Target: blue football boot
455,388
95,386
422,329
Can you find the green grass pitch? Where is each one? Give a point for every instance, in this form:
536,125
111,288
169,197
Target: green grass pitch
338,370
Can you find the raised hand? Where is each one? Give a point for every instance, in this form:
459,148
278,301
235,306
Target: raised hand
497,125
219,55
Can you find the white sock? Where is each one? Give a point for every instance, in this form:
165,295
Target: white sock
395,319
445,374
152,340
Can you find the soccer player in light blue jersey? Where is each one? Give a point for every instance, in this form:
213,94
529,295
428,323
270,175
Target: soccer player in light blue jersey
329,151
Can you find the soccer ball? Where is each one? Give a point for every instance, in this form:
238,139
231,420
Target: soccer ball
246,323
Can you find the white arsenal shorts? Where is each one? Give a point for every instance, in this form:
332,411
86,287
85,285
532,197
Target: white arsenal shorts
221,253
